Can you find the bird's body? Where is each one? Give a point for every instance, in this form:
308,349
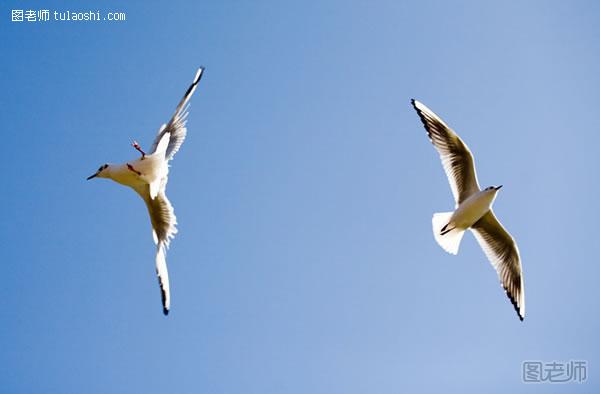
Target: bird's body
148,176
152,168
473,209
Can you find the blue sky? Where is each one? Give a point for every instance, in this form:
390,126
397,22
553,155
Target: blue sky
305,261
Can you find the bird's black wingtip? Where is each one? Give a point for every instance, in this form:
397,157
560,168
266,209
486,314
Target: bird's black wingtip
199,74
422,117
163,297
514,303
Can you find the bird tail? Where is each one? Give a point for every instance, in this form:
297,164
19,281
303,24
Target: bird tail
163,277
447,237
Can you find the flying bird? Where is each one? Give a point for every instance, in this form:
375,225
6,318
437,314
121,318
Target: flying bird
148,176
473,209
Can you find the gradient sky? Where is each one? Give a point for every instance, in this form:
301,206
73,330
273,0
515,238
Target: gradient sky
305,261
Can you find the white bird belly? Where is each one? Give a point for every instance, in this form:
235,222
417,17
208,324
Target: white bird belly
140,172
472,209
147,170
151,167
123,175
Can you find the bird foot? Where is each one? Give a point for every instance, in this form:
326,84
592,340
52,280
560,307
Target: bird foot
139,149
133,169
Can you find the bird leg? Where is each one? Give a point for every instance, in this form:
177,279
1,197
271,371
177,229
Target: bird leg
133,169
139,149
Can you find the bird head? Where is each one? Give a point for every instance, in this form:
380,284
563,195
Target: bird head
493,189
101,173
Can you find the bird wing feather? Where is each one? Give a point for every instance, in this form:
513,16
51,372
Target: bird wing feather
164,222
503,253
176,128
456,157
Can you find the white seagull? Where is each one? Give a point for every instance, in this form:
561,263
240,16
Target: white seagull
148,176
473,209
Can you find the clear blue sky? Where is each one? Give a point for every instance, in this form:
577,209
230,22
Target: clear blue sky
305,261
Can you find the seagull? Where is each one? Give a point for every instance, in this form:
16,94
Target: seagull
473,209
148,176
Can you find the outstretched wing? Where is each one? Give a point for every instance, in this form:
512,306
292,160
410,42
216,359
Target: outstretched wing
502,251
164,222
456,156
176,127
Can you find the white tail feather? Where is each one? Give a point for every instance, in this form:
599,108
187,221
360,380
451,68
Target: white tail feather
450,241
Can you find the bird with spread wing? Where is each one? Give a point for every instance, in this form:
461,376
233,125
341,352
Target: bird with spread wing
148,176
